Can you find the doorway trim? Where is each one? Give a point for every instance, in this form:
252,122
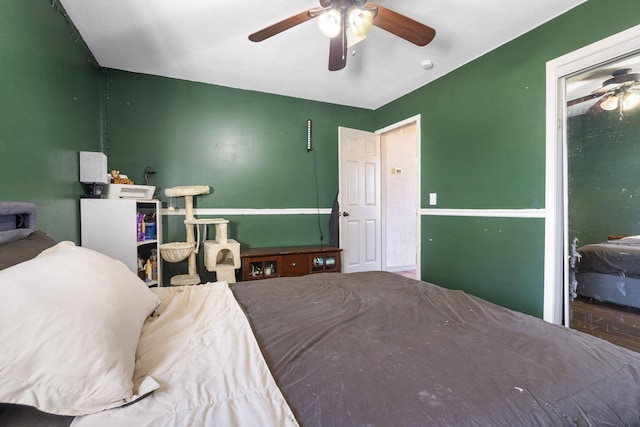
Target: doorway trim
556,286
417,119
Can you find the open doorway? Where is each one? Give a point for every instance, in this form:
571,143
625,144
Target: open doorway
400,181
379,191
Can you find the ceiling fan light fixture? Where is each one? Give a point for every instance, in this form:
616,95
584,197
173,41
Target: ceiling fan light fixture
630,101
330,23
353,39
360,21
610,104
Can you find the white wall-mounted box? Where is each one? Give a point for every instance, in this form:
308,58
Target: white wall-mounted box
93,167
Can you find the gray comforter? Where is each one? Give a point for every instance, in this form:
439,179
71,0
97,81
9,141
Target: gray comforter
377,349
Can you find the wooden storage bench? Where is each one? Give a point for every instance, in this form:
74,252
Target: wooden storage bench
289,261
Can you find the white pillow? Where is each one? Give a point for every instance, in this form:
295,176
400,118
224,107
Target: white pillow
630,239
70,320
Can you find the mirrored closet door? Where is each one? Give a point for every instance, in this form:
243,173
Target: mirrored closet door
603,188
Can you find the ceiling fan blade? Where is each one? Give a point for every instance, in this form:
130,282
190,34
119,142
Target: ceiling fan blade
281,26
605,89
402,26
596,108
635,87
338,49
582,99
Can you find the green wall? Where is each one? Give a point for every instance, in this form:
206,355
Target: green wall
455,255
483,147
50,110
604,188
249,147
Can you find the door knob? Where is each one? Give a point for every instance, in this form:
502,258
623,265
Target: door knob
345,213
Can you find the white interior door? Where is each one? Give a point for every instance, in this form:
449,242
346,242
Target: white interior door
360,207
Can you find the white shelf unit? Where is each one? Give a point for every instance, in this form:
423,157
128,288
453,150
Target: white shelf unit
109,226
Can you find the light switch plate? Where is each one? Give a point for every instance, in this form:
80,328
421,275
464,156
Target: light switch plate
433,199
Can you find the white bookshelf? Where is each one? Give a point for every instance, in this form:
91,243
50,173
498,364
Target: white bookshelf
109,226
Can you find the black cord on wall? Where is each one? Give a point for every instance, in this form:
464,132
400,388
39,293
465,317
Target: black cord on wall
315,173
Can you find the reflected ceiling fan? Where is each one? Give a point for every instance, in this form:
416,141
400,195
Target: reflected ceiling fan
621,92
346,22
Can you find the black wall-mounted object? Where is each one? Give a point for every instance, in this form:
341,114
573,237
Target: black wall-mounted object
309,142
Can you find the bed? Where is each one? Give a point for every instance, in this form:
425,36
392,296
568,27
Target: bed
330,349
610,271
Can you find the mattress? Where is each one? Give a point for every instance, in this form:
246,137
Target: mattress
610,288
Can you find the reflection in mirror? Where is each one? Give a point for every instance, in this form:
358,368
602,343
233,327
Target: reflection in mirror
603,187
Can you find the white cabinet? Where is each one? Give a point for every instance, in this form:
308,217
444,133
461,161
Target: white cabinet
109,226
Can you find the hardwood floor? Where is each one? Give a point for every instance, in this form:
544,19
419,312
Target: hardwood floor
616,324
411,274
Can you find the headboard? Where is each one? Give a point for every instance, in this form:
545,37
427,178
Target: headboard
19,238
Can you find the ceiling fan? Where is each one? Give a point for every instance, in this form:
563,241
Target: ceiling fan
346,22
621,92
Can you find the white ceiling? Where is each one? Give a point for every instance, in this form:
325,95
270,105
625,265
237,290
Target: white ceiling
206,41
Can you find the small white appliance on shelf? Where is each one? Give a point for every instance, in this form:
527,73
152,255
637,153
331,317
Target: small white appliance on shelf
129,191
